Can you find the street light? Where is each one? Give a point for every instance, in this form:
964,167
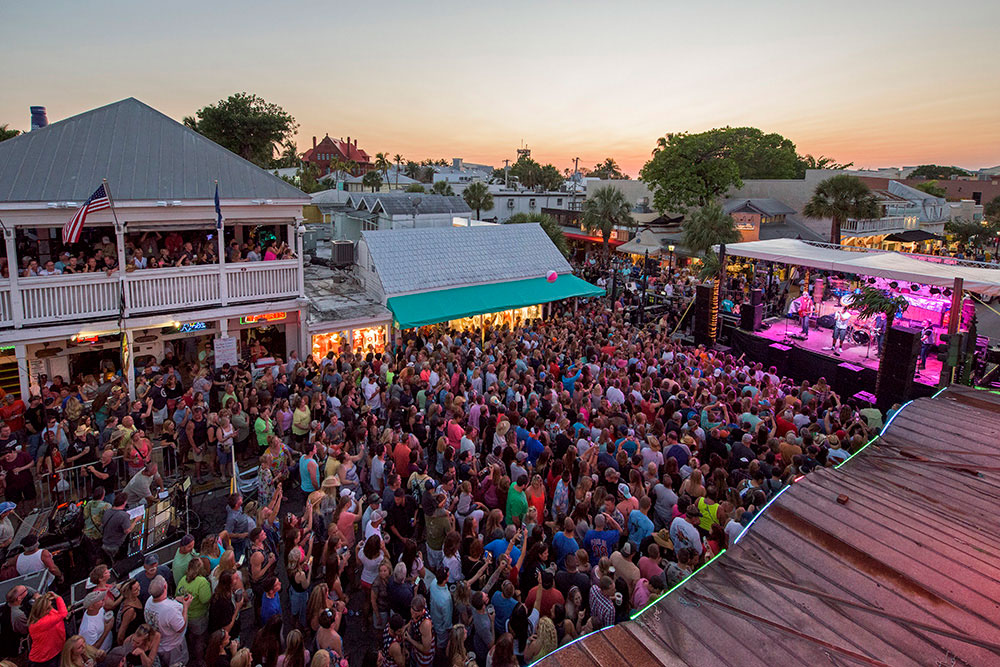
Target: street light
671,249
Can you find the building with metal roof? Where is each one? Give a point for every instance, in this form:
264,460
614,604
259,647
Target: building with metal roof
891,559
144,155
434,275
765,206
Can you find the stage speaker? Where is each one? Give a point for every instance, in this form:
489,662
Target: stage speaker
778,357
899,363
751,317
849,379
756,297
826,322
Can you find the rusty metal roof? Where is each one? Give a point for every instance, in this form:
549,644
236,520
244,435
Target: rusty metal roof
905,572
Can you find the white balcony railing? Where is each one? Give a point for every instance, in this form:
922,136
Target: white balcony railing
887,225
56,299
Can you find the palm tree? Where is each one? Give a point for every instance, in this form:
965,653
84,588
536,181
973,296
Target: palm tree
398,159
606,210
548,223
373,180
382,164
412,169
478,196
442,188
871,301
707,227
7,133
839,198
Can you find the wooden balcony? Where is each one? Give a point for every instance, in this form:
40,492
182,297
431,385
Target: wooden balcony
88,296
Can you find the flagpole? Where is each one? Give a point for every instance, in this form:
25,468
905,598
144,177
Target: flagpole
125,348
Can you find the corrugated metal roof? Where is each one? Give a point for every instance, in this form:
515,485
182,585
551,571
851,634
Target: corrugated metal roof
144,154
417,260
410,203
905,572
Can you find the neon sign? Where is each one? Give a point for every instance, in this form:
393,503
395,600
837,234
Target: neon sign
189,327
263,317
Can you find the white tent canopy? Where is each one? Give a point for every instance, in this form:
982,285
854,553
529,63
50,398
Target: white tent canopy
890,265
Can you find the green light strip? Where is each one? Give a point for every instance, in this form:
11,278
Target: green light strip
681,583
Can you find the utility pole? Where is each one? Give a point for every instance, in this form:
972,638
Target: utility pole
506,171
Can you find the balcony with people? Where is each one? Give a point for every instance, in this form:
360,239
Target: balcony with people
117,272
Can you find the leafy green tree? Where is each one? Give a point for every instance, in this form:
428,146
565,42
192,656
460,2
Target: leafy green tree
607,170
478,196
709,226
992,210
964,231
8,133
306,178
550,178
530,174
689,170
442,188
373,180
839,198
871,301
606,210
415,188
341,168
548,223
932,188
398,159
412,169
248,125
821,162
937,171
289,156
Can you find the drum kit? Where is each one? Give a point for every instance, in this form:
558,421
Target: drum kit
861,332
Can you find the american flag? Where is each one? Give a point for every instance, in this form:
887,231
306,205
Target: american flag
96,202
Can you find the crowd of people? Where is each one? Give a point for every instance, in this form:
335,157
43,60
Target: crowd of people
148,250
462,499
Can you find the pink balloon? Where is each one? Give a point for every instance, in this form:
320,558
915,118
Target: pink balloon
551,276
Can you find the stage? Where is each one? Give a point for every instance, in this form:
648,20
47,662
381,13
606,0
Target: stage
820,341
852,374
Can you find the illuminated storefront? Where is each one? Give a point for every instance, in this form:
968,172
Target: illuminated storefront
360,338
508,318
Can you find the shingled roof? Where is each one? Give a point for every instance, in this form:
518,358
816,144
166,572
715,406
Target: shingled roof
143,154
410,203
421,260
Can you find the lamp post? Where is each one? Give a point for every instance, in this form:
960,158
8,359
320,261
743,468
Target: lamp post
645,281
671,270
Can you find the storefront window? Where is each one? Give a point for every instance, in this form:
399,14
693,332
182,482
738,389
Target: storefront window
322,344
507,318
369,339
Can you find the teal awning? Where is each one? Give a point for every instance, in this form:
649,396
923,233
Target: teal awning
417,310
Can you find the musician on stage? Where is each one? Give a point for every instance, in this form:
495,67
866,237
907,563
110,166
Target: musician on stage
841,319
926,343
880,322
805,310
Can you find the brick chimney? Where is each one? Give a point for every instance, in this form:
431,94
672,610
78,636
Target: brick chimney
314,142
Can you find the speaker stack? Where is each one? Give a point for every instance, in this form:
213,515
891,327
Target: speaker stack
899,363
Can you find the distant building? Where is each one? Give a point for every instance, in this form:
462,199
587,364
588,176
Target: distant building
329,149
462,173
355,212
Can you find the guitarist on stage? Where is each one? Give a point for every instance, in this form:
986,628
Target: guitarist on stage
805,310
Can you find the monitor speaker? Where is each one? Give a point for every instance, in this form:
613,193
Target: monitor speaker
899,363
756,297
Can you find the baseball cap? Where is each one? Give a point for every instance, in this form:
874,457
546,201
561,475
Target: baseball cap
151,559
624,490
7,506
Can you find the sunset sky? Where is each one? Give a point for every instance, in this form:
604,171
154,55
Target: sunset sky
880,84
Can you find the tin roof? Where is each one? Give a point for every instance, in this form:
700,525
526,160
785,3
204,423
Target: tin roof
902,570
432,258
141,152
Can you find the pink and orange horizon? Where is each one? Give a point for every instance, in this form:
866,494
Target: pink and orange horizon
587,79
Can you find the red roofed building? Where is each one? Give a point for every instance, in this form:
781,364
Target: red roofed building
327,150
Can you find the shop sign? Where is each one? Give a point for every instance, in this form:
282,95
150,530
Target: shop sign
189,327
85,339
263,317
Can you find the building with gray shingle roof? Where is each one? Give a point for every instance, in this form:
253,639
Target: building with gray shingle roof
144,155
419,260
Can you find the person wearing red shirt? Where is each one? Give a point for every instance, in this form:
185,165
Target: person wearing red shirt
47,628
12,413
550,594
401,457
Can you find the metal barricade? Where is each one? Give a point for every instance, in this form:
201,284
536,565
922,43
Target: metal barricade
79,483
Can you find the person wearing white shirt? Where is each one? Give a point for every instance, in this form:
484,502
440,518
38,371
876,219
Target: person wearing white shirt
94,629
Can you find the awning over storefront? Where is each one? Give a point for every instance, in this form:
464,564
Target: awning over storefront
912,236
415,310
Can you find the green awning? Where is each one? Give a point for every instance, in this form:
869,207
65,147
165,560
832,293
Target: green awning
417,310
